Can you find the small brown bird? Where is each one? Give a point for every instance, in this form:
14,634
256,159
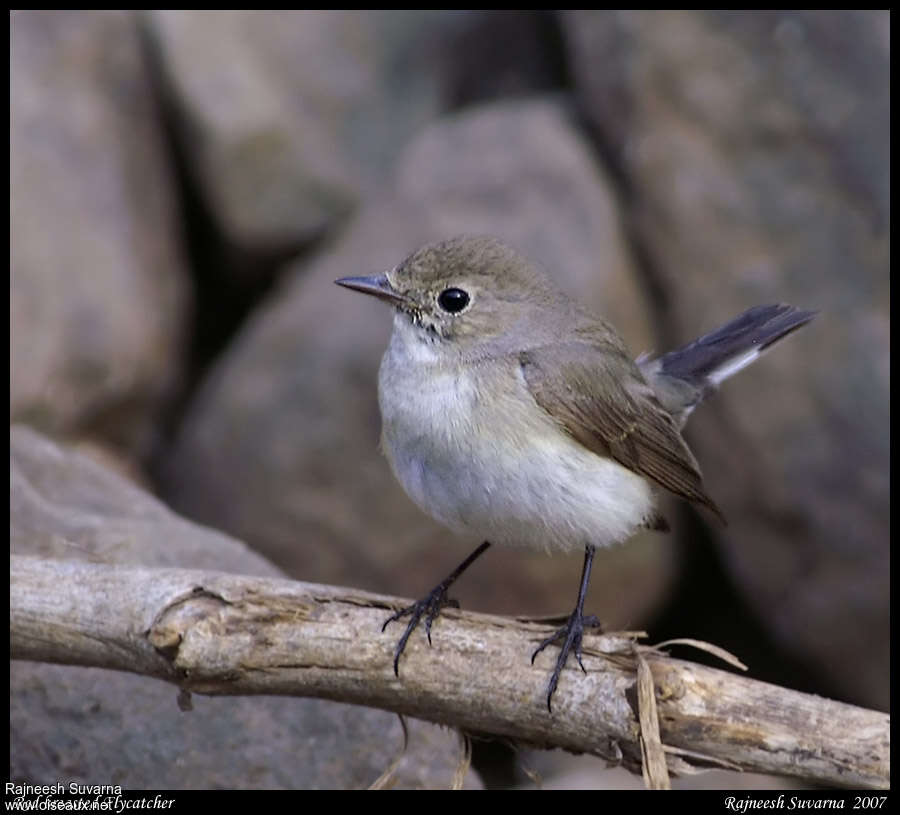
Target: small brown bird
513,415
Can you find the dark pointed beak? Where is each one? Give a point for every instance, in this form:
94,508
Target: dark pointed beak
376,285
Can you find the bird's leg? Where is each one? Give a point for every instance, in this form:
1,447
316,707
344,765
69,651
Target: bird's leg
571,633
430,605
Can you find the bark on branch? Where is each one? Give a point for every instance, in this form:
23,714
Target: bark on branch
223,634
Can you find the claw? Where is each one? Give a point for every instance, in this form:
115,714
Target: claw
572,631
571,634
430,606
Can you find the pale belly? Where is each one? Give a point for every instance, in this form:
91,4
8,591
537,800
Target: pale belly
489,463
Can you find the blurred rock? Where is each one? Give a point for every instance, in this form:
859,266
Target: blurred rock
755,148
280,444
103,727
556,770
289,117
66,505
93,726
98,294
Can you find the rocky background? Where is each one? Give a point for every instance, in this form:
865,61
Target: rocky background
184,188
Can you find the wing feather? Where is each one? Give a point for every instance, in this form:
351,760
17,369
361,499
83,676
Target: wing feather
599,396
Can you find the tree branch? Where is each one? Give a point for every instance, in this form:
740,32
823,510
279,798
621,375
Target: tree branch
223,634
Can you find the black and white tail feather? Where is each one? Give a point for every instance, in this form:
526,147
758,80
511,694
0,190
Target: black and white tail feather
682,378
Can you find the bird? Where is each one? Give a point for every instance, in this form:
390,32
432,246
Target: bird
513,415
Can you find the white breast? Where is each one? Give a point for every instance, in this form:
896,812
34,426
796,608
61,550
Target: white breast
474,451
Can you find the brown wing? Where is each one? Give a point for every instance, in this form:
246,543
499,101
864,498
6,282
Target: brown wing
599,397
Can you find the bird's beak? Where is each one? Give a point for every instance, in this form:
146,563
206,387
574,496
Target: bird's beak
376,285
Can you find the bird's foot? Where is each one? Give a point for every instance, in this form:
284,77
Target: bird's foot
571,634
429,607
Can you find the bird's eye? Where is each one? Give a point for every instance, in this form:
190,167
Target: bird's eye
453,300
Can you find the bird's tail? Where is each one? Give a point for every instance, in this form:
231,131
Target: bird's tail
683,377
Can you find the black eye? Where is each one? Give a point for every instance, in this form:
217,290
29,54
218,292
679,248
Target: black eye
453,300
